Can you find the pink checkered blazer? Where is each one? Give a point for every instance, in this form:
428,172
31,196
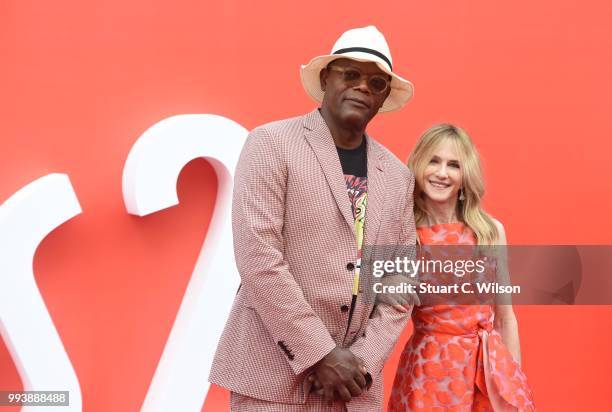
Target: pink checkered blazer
295,245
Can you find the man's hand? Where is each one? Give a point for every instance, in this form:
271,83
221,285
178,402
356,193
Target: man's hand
339,373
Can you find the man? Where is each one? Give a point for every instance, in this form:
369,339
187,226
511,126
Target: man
301,336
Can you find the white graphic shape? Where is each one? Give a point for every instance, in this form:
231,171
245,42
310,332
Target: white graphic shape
149,184
26,218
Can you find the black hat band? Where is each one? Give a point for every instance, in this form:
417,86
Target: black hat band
365,50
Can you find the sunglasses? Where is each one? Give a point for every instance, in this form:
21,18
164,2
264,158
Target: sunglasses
377,83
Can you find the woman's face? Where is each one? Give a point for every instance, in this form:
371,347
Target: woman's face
442,177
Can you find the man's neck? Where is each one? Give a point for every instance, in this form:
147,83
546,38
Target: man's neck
344,137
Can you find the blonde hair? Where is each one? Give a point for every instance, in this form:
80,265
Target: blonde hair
469,210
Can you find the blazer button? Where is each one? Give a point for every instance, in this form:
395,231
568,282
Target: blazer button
344,308
350,266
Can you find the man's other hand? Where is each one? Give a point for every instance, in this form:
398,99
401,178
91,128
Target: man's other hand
339,375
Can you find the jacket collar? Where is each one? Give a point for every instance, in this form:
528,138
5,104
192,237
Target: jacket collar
320,140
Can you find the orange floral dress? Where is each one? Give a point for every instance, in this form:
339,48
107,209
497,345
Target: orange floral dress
455,360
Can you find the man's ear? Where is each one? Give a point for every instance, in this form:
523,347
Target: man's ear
323,78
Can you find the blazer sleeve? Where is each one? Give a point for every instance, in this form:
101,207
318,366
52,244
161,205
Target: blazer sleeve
258,211
386,323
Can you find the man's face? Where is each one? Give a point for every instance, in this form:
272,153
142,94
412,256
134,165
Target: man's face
354,103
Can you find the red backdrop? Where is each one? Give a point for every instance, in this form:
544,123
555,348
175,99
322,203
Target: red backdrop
80,81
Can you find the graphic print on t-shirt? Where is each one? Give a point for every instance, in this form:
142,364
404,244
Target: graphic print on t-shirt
357,187
355,171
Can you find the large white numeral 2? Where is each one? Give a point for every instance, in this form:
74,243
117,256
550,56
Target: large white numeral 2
149,185
25,323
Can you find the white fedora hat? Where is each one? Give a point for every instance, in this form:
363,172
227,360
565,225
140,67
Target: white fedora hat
364,44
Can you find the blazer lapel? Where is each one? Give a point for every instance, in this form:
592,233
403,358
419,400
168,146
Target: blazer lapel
376,190
319,138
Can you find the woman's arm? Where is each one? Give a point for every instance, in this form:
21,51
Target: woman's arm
505,319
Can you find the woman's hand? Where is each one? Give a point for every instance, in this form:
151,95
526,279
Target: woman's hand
402,302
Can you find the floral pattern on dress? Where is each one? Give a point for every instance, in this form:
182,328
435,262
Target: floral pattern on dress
455,360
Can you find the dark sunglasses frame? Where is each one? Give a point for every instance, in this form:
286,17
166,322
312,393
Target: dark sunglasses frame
349,75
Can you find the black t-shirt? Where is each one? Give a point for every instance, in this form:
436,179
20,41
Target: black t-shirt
355,168
354,161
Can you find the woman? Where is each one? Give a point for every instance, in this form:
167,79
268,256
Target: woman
460,357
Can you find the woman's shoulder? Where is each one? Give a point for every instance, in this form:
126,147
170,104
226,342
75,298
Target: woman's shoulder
497,223
501,231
